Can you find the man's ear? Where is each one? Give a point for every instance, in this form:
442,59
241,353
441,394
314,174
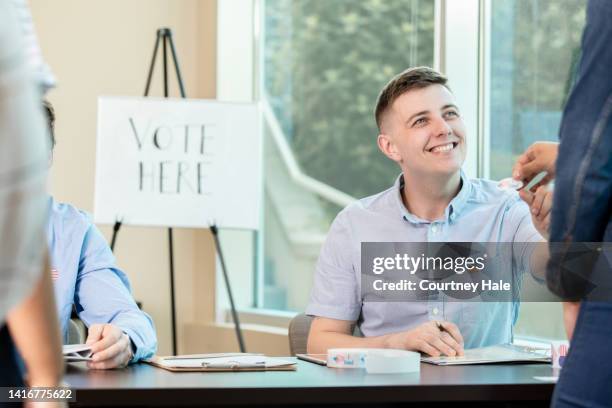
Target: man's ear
386,145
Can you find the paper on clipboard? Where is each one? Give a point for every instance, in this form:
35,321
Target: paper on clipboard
223,362
503,353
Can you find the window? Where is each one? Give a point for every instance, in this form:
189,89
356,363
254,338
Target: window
324,63
318,66
537,46
535,53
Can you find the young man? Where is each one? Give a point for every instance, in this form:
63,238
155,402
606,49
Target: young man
85,274
421,129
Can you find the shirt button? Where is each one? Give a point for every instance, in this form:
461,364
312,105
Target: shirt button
434,229
453,216
435,310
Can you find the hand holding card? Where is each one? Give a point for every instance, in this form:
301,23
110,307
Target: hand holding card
77,352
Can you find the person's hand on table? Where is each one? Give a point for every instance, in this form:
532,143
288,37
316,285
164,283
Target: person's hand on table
110,346
539,157
540,204
434,338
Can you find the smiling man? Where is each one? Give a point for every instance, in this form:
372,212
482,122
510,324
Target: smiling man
432,200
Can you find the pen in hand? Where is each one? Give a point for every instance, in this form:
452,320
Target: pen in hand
457,337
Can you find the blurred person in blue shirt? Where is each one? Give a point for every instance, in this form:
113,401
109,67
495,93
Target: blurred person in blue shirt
85,274
28,322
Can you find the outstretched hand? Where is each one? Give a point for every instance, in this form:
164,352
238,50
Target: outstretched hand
540,204
539,157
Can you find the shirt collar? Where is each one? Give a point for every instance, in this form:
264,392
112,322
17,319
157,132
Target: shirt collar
454,208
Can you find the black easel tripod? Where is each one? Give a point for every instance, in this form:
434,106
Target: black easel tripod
164,36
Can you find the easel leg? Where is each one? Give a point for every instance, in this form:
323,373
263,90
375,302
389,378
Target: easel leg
172,299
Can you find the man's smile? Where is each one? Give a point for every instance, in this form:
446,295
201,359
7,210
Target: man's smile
443,148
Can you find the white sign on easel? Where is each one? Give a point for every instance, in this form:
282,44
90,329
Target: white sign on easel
178,163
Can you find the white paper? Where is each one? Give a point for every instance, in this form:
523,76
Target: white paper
235,361
246,362
547,379
493,354
77,352
178,163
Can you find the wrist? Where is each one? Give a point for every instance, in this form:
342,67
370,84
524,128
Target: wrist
391,341
131,348
386,342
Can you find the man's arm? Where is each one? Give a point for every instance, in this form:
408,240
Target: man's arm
35,331
114,319
427,338
332,333
530,217
540,204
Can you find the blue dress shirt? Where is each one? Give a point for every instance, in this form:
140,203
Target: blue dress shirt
84,274
479,213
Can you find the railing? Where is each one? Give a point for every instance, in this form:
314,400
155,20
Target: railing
310,184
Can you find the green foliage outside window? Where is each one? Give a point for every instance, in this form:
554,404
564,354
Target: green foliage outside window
535,45
326,60
324,63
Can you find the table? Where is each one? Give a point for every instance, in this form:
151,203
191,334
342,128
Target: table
312,384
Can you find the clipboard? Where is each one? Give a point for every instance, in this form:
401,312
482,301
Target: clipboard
222,362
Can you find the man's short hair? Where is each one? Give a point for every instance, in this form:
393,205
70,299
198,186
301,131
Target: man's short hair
50,116
412,78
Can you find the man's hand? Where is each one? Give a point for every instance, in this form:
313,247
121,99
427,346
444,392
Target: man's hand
570,315
110,346
430,339
540,204
540,156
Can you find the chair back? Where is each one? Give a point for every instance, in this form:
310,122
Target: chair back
298,333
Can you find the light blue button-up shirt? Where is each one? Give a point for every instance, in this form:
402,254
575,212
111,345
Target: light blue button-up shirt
84,274
480,212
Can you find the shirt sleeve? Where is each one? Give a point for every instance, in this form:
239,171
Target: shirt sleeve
23,170
526,236
103,295
335,293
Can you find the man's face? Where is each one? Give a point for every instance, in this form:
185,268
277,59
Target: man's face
423,132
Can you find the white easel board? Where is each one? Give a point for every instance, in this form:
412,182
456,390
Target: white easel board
178,163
